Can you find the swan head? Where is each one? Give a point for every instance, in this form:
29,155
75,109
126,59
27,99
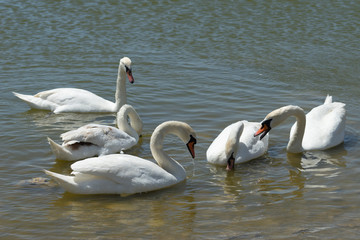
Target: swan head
264,129
125,63
187,135
180,129
231,162
276,117
191,145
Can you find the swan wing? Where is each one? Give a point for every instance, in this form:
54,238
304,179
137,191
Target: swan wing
93,133
70,96
251,147
90,133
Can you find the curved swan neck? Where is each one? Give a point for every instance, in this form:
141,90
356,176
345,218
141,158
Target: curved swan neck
231,146
120,94
162,158
135,121
295,139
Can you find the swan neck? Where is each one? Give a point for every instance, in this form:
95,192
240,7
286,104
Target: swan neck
123,123
233,139
120,94
296,137
136,122
162,158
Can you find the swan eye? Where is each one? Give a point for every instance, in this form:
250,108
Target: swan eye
266,123
265,128
192,139
127,69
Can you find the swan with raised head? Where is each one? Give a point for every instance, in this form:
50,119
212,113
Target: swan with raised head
236,144
97,140
322,128
61,100
127,174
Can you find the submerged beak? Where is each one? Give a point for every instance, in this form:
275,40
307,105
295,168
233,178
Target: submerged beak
231,163
265,128
191,146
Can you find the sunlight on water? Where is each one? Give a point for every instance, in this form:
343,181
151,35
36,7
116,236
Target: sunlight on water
208,65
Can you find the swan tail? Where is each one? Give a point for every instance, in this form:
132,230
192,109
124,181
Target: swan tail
66,182
30,100
328,99
59,151
35,102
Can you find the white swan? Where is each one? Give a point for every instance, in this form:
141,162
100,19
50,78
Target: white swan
97,140
61,100
127,174
236,144
322,128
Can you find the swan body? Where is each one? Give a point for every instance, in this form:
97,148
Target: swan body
127,174
238,139
97,140
61,100
322,128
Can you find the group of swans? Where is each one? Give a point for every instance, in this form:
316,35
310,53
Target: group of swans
127,174
92,139
111,173
322,128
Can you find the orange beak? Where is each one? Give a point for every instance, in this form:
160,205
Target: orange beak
191,146
130,76
261,130
265,128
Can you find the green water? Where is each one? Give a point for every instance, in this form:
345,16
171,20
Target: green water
208,64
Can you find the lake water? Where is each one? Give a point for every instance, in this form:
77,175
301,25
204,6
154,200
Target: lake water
208,64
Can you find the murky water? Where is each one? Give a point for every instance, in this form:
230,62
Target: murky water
208,65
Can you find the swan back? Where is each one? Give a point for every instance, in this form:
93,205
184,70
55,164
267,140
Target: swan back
325,126
114,174
122,173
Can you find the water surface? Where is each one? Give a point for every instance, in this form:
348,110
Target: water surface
208,65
